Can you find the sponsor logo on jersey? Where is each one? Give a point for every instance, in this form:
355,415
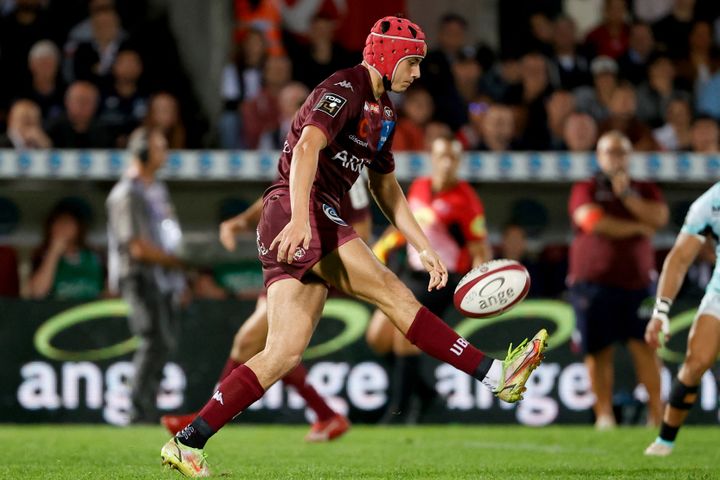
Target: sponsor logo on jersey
360,142
333,216
388,112
350,161
372,107
331,104
385,131
345,84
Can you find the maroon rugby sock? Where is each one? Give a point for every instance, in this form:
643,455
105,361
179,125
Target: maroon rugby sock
230,365
297,379
238,391
429,333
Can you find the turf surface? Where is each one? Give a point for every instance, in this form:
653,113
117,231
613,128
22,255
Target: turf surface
447,452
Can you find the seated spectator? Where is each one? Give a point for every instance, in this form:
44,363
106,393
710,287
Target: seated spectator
321,57
501,78
595,100
290,99
559,106
452,40
675,135
416,112
9,279
435,130
64,267
83,31
705,135
633,63
541,32
263,16
77,127
513,246
498,129
93,60
623,118
164,114
611,38
22,28
654,95
124,104
46,88
569,68
262,113
672,32
241,80
24,130
707,99
702,60
580,133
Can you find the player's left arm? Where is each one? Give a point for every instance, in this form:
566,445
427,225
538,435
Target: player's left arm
302,175
389,196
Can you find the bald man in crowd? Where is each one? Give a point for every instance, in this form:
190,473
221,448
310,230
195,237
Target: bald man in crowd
78,126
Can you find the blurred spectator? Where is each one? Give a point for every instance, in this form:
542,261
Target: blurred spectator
531,94
570,69
514,246
673,31
612,36
83,31
78,128
9,279
241,80
435,130
559,106
93,60
289,100
502,76
46,87
416,112
124,104
705,135
542,33
623,118
707,100
498,129
650,11
298,15
358,16
438,72
262,113
675,135
451,107
263,16
595,99
654,95
22,28
322,56
702,60
633,63
579,133
614,217
24,130
163,114
64,267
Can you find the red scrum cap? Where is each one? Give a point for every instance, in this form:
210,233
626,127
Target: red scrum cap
391,41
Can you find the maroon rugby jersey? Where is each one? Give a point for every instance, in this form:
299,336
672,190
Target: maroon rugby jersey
358,128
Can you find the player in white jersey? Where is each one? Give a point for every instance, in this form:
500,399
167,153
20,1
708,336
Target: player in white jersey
702,220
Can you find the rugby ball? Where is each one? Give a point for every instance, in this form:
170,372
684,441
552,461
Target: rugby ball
492,288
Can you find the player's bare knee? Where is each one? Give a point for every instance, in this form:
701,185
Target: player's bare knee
696,365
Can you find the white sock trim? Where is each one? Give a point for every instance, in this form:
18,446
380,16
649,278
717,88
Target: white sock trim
493,376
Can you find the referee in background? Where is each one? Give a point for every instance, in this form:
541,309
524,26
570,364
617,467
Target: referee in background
144,238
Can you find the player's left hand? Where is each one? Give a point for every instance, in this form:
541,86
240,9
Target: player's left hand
438,273
657,332
292,241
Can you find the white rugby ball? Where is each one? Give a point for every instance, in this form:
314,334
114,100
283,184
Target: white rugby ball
492,288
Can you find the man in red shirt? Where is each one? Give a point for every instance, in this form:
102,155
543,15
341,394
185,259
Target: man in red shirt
611,268
345,125
452,217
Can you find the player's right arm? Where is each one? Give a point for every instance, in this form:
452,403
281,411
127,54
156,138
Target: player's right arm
303,169
240,223
682,255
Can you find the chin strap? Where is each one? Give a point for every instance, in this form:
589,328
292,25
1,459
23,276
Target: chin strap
387,84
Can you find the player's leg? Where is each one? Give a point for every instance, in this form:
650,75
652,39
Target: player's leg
380,334
647,369
601,371
355,270
294,309
702,351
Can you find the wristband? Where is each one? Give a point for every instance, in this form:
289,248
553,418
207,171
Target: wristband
661,311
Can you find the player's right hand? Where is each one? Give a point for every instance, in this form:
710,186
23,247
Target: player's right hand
292,241
229,229
438,273
657,332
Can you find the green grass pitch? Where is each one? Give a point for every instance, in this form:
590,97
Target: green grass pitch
367,452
